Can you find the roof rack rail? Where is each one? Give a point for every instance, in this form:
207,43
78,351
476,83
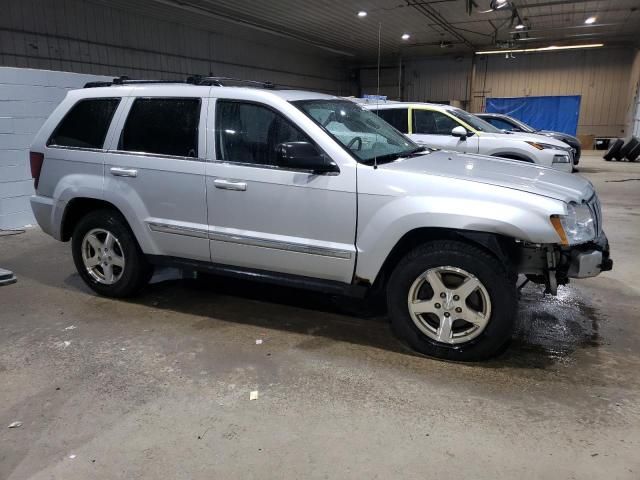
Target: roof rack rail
225,81
124,80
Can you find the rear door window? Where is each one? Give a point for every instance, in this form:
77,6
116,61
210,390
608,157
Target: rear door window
162,126
396,117
86,124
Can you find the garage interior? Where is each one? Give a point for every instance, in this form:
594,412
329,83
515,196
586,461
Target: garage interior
159,385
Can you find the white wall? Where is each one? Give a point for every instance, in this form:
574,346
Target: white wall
27,97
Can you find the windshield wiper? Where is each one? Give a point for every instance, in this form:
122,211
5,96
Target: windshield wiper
390,157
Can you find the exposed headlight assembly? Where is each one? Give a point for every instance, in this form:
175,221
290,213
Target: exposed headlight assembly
561,159
577,226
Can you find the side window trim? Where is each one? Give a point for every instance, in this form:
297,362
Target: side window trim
114,142
112,122
215,143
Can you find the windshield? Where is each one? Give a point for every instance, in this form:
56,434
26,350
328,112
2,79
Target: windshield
365,135
473,121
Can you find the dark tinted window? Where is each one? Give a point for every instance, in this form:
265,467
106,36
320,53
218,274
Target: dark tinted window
396,117
250,133
501,124
86,124
432,123
166,126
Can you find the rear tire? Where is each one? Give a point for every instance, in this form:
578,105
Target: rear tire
107,255
614,151
431,278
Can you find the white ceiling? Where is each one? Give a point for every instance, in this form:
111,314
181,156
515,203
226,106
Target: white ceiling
435,26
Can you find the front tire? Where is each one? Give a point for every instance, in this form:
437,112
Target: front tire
107,255
452,300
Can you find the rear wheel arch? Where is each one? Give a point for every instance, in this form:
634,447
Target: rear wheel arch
502,248
79,207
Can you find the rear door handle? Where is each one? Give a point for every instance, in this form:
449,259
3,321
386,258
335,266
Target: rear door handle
123,172
229,184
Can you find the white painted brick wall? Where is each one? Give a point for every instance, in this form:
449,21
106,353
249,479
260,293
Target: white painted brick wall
27,97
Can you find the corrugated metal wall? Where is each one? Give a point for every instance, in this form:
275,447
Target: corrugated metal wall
89,37
600,77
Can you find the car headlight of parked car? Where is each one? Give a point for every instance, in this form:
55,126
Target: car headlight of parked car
559,158
577,226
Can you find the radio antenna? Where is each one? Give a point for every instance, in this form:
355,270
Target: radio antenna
375,154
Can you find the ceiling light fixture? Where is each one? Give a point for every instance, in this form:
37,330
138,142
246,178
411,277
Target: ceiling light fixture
406,36
498,4
362,14
520,26
590,20
552,48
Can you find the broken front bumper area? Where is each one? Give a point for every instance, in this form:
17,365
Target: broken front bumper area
554,265
586,260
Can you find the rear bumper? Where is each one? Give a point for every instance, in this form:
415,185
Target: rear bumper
589,259
43,209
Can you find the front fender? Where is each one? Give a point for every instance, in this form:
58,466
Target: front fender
384,220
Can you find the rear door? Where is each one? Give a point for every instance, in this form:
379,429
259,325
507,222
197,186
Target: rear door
155,165
432,128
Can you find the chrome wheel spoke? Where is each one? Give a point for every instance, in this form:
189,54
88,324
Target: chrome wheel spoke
423,306
445,330
92,262
108,273
435,280
95,243
117,260
469,286
473,317
109,240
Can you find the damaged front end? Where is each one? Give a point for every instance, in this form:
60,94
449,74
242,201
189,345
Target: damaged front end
553,265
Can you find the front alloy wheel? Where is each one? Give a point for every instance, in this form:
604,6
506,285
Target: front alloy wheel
453,300
449,305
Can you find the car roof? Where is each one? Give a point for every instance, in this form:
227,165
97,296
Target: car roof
387,105
185,89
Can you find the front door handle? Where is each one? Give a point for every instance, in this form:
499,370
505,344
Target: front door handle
123,172
229,184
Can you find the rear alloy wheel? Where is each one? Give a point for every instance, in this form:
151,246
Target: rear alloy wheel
452,300
107,255
103,256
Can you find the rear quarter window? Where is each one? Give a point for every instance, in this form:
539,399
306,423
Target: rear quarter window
396,117
86,124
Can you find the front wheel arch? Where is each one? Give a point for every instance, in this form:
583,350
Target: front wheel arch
504,249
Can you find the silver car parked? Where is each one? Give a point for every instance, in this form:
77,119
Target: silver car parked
312,191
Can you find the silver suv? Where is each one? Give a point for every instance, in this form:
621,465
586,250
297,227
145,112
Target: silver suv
311,191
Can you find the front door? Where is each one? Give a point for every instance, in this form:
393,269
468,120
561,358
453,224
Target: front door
265,217
156,165
433,129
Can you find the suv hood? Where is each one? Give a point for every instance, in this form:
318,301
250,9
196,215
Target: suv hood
500,172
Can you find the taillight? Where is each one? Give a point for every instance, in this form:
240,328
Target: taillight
36,159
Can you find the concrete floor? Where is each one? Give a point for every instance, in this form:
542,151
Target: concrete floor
158,387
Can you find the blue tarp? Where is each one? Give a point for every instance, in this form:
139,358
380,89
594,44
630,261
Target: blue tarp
557,113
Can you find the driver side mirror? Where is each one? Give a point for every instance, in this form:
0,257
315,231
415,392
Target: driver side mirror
304,156
460,132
